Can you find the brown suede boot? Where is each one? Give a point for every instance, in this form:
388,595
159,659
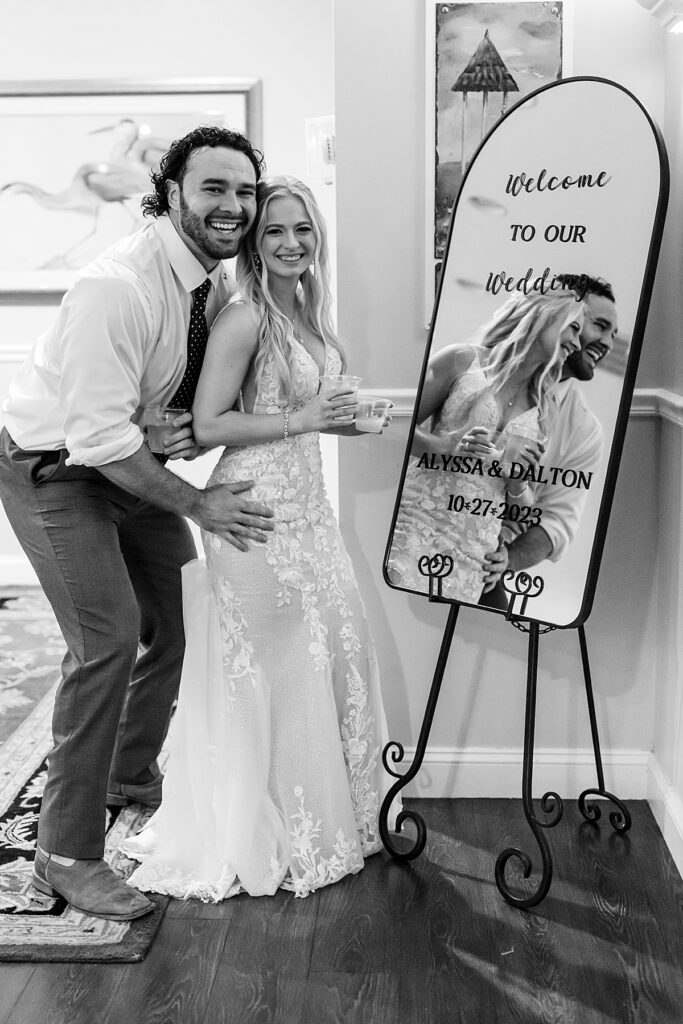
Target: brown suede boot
91,887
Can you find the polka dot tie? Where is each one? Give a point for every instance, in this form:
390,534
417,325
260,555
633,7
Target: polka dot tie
197,337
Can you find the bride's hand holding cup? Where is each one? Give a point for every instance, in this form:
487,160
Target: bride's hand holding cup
473,443
334,406
336,402
478,443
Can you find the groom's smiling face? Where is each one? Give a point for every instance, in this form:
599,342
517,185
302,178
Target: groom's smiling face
597,337
215,204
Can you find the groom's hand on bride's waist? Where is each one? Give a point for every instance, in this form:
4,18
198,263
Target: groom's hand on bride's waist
495,564
226,510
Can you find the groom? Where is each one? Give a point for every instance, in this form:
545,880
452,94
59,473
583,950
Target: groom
100,517
576,441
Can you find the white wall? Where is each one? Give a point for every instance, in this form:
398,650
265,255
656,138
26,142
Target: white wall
288,46
478,729
666,784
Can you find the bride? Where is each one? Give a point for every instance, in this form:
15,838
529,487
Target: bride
275,776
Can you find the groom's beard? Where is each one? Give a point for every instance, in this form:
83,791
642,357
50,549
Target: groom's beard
577,365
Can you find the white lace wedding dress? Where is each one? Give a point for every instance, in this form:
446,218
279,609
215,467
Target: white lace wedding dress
275,776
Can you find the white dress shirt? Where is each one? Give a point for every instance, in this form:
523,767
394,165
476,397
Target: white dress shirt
575,442
119,343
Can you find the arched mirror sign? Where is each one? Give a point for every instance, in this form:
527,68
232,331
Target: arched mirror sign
522,404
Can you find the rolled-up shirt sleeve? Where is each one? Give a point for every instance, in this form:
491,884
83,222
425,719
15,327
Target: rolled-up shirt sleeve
105,324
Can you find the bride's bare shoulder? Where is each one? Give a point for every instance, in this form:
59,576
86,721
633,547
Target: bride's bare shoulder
238,319
454,360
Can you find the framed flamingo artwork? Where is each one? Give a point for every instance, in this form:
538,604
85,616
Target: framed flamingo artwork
482,57
77,156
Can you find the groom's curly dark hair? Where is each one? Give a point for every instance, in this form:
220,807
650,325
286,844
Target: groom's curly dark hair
174,163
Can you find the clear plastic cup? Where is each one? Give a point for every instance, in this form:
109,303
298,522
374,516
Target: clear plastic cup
157,420
332,381
517,440
371,414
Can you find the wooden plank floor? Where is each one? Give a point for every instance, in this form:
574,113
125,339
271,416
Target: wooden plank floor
432,942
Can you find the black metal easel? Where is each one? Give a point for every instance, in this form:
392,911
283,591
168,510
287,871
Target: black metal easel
522,586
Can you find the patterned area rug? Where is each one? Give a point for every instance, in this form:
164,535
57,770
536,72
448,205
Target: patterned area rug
31,651
34,927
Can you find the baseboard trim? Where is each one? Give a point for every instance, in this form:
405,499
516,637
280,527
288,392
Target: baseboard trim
495,772
486,772
667,808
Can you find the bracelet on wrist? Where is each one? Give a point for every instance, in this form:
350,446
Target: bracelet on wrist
285,426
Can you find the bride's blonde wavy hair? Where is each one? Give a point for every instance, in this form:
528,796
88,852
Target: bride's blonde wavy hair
510,335
314,301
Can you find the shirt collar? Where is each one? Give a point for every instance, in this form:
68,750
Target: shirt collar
184,263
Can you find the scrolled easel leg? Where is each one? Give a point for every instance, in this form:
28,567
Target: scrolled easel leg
551,802
620,820
394,753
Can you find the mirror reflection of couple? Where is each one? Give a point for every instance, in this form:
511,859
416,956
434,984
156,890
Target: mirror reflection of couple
275,776
513,402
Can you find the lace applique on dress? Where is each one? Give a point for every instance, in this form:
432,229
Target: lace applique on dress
311,871
275,775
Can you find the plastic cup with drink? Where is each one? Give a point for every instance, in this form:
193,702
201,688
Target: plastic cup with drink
515,461
159,420
371,414
344,382
334,381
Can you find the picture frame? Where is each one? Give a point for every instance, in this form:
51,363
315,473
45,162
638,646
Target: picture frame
517,36
77,158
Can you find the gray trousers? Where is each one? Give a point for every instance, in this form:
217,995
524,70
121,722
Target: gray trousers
109,564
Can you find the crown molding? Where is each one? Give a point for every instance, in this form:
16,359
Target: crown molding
669,13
